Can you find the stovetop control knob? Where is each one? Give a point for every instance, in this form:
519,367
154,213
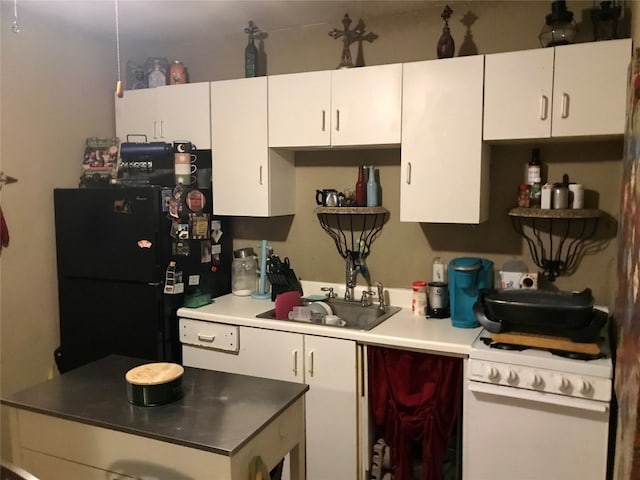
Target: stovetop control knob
512,377
493,374
537,381
585,387
563,383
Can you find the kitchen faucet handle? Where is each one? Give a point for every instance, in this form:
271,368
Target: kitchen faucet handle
381,300
365,300
331,293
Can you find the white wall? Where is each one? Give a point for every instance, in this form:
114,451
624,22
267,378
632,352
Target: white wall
56,90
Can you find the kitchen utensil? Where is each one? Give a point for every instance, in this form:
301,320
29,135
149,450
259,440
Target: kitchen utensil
154,384
333,320
564,314
438,301
467,276
301,313
327,197
285,303
322,308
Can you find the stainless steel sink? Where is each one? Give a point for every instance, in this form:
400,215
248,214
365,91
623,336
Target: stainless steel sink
355,316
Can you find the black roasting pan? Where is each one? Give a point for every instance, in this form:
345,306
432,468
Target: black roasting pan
538,311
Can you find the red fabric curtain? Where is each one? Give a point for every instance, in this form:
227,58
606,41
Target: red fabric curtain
415,398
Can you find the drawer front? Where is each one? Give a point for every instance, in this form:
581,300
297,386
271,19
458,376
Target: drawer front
216,336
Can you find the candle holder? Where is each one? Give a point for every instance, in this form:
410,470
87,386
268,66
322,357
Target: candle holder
559,27
605,21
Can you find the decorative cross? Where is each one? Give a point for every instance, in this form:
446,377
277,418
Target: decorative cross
251,30
446,15
349,37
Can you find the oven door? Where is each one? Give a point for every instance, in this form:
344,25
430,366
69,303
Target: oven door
512,433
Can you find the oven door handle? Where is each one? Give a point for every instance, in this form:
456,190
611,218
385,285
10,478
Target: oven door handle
549,398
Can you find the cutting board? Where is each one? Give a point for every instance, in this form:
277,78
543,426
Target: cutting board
545,342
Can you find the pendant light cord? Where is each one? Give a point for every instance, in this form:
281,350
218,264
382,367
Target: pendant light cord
15,27
119,90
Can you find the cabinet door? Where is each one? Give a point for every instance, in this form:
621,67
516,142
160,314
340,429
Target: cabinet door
136,115
331,412
444,164
590,86
240,172
300,109
517,94
183,114
366,105
263,353
47,466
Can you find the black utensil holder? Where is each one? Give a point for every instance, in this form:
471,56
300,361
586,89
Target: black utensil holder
283,282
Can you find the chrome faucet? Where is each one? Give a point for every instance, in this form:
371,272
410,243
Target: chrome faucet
351,273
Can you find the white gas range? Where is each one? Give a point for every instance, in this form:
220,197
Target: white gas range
532,414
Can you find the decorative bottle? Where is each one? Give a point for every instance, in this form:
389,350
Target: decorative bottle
446,46
361,188
372,188
533,168
251,52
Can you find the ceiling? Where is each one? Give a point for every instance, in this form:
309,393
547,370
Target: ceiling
181,19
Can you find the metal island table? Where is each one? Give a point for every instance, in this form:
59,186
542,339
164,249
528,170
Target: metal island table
81,425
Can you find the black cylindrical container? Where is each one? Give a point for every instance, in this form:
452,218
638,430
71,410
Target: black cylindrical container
438,300
154,384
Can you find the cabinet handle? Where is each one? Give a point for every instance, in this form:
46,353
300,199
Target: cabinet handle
260,174
544,107
155,126
324,114
337,120
311,363
408,173
295,363
161,128
206,338
565,105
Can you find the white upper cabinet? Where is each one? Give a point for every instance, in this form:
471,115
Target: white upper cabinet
590,85
517,94
166,114
349,107
571,90
248,178
300,109
444,163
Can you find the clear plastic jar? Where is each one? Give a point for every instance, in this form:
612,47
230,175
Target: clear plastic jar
244,272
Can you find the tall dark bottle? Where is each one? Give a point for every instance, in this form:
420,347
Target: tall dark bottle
361,188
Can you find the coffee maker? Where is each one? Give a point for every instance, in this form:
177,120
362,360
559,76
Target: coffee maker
467,276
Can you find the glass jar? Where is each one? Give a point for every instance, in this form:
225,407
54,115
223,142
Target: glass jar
244,272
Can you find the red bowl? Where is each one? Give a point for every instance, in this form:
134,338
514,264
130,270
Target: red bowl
285,303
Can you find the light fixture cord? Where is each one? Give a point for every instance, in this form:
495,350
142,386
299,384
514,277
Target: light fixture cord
15,27
117,39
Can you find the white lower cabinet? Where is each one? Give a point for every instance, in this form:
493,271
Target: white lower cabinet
327,365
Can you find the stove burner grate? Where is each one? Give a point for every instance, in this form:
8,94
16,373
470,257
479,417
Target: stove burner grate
577,355
554,351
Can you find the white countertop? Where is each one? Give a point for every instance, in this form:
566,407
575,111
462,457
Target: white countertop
403,330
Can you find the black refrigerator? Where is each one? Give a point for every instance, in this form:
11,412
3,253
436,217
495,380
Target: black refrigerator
127,259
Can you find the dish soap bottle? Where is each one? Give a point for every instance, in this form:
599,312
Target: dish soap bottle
372,188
